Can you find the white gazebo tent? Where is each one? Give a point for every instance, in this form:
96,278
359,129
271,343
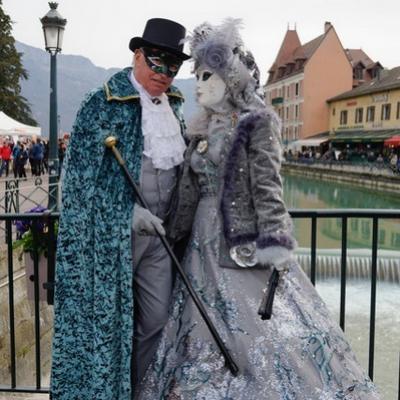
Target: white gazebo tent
12,128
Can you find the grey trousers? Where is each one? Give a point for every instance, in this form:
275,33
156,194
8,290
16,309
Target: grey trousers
152,287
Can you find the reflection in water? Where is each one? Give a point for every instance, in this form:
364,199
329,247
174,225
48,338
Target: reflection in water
302,192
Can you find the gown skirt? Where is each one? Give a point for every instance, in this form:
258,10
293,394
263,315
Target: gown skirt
299,354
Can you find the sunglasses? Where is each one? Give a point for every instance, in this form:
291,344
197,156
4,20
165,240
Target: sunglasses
161,62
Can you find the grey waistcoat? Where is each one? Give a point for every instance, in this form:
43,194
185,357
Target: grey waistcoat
157,186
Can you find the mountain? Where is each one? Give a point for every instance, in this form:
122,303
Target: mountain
76,75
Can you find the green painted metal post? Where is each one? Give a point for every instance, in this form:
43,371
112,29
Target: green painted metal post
53,137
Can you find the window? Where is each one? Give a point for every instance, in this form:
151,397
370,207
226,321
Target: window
343,117
398,110
288,92
296,111
358,73
297,89
296,134
287,112
385,113
359,115
371,114
333,111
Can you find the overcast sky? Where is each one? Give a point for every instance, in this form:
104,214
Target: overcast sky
101,29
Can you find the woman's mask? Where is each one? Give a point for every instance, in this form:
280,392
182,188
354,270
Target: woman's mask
210,88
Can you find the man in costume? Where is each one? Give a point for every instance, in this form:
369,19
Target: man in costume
100,351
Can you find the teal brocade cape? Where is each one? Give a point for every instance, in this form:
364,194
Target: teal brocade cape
93,306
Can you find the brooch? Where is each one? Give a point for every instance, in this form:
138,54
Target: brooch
202,146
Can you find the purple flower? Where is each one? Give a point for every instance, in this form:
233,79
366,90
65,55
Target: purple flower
217,56
26,224
22,226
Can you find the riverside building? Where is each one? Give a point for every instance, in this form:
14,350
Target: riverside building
370,113
303,77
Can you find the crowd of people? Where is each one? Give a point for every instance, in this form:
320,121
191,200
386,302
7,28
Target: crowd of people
380,157
27,153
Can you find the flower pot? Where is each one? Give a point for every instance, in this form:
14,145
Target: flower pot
30,276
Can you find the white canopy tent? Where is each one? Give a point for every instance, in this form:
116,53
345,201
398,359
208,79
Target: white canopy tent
11,127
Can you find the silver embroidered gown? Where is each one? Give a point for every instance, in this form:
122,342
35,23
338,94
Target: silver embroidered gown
300,354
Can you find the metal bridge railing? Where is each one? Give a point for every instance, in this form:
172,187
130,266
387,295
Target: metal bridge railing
50,221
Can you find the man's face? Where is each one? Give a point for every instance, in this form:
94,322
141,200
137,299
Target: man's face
147,71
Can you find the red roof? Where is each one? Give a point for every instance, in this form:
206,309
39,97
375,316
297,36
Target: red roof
357,55
290,43
292,50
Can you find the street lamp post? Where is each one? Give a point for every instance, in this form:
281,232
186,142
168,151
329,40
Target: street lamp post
53,27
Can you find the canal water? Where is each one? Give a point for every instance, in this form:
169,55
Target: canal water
301,192
305,193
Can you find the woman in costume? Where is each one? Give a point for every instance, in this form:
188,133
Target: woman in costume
230,202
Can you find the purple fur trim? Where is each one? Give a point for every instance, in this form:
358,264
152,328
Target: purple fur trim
283,240
243,239
244,128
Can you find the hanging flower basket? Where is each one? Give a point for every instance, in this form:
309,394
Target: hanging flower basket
33,237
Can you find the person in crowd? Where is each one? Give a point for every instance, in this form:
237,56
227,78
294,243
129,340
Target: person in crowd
21,162
229,202
61,154
393,161
113,277
36,157
15,153
5,153
31,159
380,161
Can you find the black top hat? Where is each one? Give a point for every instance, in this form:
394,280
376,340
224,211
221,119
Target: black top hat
162,34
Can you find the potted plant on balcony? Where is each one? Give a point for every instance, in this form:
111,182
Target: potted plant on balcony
33,236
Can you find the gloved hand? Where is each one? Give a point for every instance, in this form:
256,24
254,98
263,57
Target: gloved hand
145,223
278,256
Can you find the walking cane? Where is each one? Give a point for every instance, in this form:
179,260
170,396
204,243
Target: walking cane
110,143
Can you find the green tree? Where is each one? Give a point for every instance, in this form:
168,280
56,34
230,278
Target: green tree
11,72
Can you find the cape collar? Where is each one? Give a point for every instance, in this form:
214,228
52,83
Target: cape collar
120,88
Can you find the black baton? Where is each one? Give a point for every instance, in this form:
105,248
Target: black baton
265,309
110,143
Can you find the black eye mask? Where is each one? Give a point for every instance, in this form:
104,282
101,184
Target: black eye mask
162,62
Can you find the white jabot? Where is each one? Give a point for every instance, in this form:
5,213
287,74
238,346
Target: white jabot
163,141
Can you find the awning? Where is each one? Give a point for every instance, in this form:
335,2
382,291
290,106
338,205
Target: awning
394,141
361,136
298,144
